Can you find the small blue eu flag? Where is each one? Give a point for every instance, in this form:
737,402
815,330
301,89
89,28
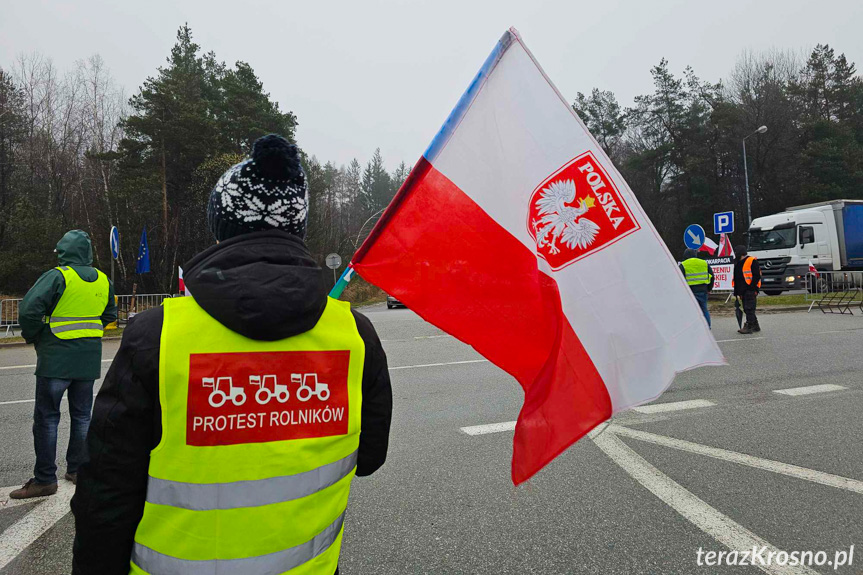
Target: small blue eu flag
143,265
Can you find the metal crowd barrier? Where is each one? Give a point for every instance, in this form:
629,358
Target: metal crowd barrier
9,315
835,292
129,305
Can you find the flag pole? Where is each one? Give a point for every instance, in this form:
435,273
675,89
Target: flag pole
342,283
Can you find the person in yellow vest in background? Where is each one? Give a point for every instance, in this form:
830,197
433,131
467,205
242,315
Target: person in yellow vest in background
232,422
747,282
64,315
699,278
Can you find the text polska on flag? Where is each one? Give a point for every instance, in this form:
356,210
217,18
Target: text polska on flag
515,233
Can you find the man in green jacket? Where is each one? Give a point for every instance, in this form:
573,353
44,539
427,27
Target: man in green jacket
699,278
64,315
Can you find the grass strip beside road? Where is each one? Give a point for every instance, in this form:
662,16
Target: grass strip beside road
793,302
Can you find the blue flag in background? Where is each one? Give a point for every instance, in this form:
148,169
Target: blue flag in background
143,265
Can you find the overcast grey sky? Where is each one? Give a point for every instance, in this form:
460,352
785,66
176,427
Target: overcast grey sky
385,73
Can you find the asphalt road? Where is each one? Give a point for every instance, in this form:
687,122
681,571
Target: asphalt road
741,464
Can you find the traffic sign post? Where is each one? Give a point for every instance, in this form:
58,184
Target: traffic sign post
693,237
723,223
334,261
115,248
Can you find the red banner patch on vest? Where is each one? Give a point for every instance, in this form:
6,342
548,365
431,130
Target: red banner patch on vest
257,397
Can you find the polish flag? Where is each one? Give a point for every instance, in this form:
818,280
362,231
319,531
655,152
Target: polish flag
725,249
812,270
708,246
183,289
515,233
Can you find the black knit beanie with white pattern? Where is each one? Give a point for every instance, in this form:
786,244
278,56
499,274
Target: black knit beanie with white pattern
264,192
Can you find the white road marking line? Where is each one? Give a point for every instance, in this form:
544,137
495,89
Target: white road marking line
838,331
717,525
743,459
439,364
17,401
415,338
18,366
34,365
806,390
740,339
489,428
42,517
63,399
673,406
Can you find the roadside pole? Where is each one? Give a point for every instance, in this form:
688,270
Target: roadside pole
114,241
334,262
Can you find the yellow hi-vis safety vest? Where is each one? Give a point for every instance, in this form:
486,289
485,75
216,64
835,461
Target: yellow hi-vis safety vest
696,271
258,450
79,312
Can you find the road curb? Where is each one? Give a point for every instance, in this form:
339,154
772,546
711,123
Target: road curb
782,309
765,309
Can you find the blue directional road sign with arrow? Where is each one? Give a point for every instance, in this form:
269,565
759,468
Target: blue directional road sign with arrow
115,242
694,236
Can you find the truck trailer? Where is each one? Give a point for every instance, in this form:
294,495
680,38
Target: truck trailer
828,234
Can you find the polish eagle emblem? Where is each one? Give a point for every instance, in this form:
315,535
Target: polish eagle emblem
558,221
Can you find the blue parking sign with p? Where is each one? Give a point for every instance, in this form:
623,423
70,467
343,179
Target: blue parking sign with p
723,223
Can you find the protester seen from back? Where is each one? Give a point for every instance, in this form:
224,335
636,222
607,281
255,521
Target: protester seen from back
231,423
699,278
64,315
747,281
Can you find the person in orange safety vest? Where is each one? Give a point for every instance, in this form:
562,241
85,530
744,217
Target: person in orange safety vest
746,282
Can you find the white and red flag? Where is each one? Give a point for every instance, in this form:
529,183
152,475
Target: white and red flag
813,270
182,289
515,233
725,250
708,246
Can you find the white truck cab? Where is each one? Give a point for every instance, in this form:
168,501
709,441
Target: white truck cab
787,242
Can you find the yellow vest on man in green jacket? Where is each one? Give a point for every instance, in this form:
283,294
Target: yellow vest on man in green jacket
79,312
699,278
696,272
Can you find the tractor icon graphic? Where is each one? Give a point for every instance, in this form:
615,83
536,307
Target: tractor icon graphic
268,388
218,397
305,392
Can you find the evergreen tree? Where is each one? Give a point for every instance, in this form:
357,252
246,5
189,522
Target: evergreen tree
245,111
376,185
192,117
12,126
399,176
603,117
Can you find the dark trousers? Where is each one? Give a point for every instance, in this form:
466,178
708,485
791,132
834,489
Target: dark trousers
701,298
46,418
750,301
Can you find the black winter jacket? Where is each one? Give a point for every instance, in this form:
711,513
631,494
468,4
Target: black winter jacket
263,285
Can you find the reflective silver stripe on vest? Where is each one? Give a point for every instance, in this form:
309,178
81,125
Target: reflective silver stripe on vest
158,563
77,326
92,318
208,496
